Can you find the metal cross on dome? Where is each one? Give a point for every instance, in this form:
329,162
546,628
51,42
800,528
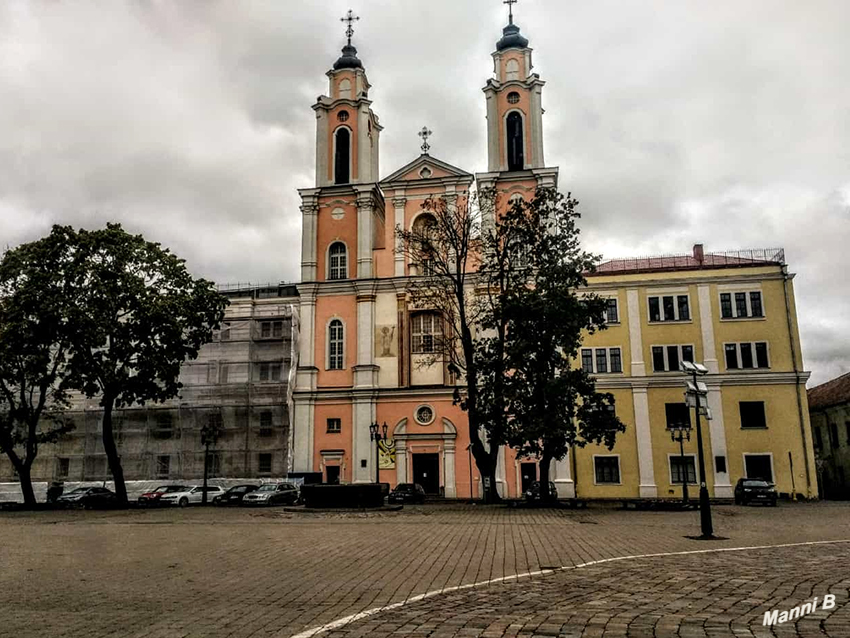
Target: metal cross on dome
350,18
510,4
425,134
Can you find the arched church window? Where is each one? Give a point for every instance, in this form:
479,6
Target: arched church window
426,332
342,155
516,154
513,97
336,345
512,70
423,228
342,116
338,261
345,89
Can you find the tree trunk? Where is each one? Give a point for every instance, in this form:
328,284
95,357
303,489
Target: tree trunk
25,477
108,403
206,472
545,463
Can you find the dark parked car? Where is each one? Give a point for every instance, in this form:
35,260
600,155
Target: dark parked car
89,497
234,495
755,491
533,494
407,493
272,494
152,497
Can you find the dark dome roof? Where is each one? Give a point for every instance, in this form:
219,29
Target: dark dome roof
511,37
348,59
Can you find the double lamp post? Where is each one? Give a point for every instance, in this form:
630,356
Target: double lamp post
697,390
378,433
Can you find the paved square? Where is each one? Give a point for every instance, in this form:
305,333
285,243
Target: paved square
207,572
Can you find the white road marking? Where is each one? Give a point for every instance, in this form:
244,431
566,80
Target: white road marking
315,631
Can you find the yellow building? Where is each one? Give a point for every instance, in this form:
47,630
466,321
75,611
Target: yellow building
733,312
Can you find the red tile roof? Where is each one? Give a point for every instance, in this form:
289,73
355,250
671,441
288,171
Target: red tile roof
696,261
830,393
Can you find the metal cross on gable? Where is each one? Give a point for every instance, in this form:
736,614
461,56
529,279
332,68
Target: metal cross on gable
350,18
425,134
510,4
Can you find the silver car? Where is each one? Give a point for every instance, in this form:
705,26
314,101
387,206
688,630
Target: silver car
272,494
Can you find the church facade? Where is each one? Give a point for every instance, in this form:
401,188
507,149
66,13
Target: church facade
365,355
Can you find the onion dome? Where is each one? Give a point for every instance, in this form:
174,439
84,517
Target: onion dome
348,59
511,37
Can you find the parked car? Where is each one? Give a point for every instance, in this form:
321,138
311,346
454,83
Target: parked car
153,497
191,495
234,495
89,497
749,490
407,493
534,494
272,494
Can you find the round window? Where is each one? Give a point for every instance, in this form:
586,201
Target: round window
342,116
424,415
513,97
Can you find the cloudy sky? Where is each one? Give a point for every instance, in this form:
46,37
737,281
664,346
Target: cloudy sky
674,122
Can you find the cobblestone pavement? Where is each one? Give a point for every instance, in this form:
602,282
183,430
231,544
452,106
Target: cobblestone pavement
240,573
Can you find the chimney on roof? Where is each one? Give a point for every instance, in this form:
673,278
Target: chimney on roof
699,254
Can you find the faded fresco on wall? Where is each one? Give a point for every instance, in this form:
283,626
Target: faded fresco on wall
385,341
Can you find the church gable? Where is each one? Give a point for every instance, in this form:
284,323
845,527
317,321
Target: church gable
425,167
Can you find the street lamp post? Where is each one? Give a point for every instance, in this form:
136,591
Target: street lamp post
679,433
697,389
378,433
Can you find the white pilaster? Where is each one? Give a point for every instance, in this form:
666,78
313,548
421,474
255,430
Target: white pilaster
309,224
501,485
647,488
536,121
398,206
635,338
365,371
493,124
363,448
322,178
717,430
364,238
400,461
302,434
709,349
449,469
561,475
364,147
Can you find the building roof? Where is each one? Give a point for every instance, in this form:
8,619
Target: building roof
831,393
511,37
696,261
348,59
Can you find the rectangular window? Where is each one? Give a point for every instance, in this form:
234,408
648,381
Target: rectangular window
741,304
720,464
601,360
212,373
224,334
617,366
758,466
63,467
682,469
266,424
266,329
334,426
269,371
611,313
683,307
224,371
833,435
271,329
163,429
731,356
752,414
818,438
264,465
746,355
607,469
658,359
669,308
688,353
654,309
678,415
726,305
425,330
163,466
761,355
587,360
672,358
755,305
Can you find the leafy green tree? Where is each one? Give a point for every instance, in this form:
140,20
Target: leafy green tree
35,336
139,314
551,404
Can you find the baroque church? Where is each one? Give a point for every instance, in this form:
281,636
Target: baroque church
365,355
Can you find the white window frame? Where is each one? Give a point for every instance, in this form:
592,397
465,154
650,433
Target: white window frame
735,316
616,299
607,350
670,458
330,268
664,347
619,469
737,345
328,343
328,429
660,296
436,333
744,456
